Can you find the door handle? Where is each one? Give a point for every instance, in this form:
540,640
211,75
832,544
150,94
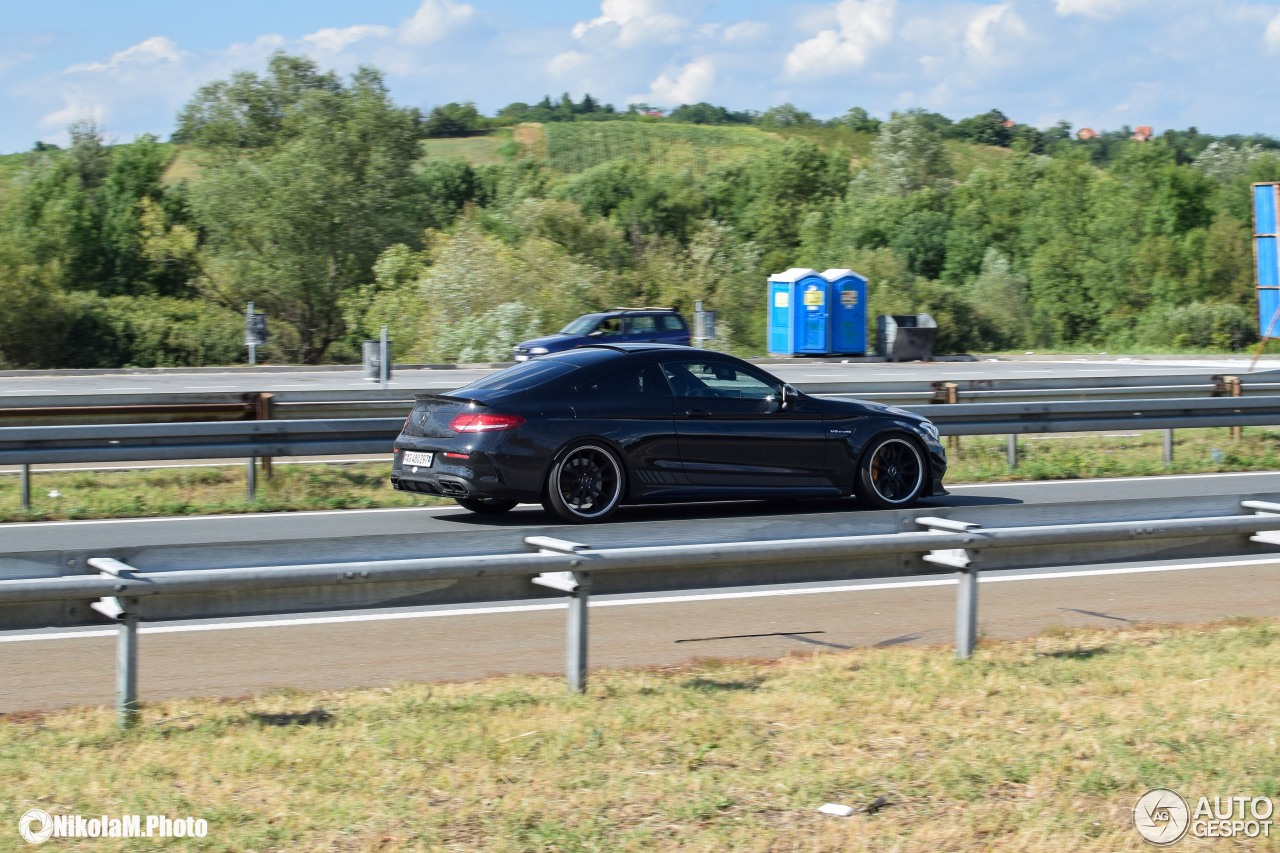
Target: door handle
698,413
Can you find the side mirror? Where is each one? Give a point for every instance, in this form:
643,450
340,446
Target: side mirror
782,401
790,396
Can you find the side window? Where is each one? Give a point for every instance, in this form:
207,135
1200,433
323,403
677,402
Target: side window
670,323
716,379
646,381
608,328
638,325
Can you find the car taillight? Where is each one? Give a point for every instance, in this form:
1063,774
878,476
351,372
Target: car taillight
484,422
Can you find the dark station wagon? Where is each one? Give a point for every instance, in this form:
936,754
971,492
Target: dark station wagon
619,326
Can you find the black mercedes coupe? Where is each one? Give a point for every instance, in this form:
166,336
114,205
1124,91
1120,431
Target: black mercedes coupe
585,431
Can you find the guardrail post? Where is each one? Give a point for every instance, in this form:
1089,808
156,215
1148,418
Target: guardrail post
963,559
948,393
1264,508
1228,386
1233,387
578,586
26,486
966,612
127,671
124,612
251,478
1011,452
1168,448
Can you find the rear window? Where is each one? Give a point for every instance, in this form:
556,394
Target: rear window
526,374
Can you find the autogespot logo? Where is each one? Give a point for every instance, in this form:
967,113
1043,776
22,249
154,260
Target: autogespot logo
35,826
1161,816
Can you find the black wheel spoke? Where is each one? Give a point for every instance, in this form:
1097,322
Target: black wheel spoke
588,481
895,471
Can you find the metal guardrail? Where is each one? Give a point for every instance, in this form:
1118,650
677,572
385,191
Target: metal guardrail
288,404
567,567
240,439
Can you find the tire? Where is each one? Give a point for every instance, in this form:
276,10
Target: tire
486,506
585,484
891,474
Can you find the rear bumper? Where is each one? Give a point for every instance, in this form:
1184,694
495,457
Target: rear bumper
479,476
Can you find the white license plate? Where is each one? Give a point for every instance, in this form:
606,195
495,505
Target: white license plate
413,457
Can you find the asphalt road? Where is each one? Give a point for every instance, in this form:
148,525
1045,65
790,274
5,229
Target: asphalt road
226,657
239,380
631,526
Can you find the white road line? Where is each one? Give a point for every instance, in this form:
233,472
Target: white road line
175,519
213,387
1114,479
630,602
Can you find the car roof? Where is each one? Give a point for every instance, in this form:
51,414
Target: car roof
636,347
623,312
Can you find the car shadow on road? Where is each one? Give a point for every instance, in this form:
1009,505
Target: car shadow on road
532,515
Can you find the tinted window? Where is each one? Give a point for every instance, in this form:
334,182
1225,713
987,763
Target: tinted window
694,378
646,381
640,324
670,323
526,374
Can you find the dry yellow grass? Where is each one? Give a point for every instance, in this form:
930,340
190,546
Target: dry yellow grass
1037,745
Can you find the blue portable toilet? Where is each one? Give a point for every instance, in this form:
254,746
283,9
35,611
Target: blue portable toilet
848,300
799,318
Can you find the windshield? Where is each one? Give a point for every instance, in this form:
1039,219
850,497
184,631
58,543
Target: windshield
584,325
526,374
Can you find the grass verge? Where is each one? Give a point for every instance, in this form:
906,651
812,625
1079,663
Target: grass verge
1042,744
69,495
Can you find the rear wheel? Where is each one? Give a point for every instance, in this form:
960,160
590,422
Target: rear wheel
891,474
486,506
585,484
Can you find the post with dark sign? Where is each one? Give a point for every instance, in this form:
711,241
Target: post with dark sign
383,370
255,332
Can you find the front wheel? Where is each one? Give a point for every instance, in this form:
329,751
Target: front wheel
891,474
584,484
486,506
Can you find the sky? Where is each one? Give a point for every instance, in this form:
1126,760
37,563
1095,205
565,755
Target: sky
130,65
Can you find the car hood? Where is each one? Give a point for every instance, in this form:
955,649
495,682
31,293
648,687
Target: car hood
548,341
830,406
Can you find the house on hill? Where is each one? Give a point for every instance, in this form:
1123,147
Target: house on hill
1142,133
1086,133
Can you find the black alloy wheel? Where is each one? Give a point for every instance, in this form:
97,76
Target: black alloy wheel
891,474
486,506
585,484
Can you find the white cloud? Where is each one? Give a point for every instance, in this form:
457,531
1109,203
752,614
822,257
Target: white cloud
334,40
77,105
567,63
862,26
632,23
1272,35
1100,9
690,85
745,33
985,28
434,20
153,51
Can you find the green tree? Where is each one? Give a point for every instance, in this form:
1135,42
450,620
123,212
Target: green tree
453,119
296,223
